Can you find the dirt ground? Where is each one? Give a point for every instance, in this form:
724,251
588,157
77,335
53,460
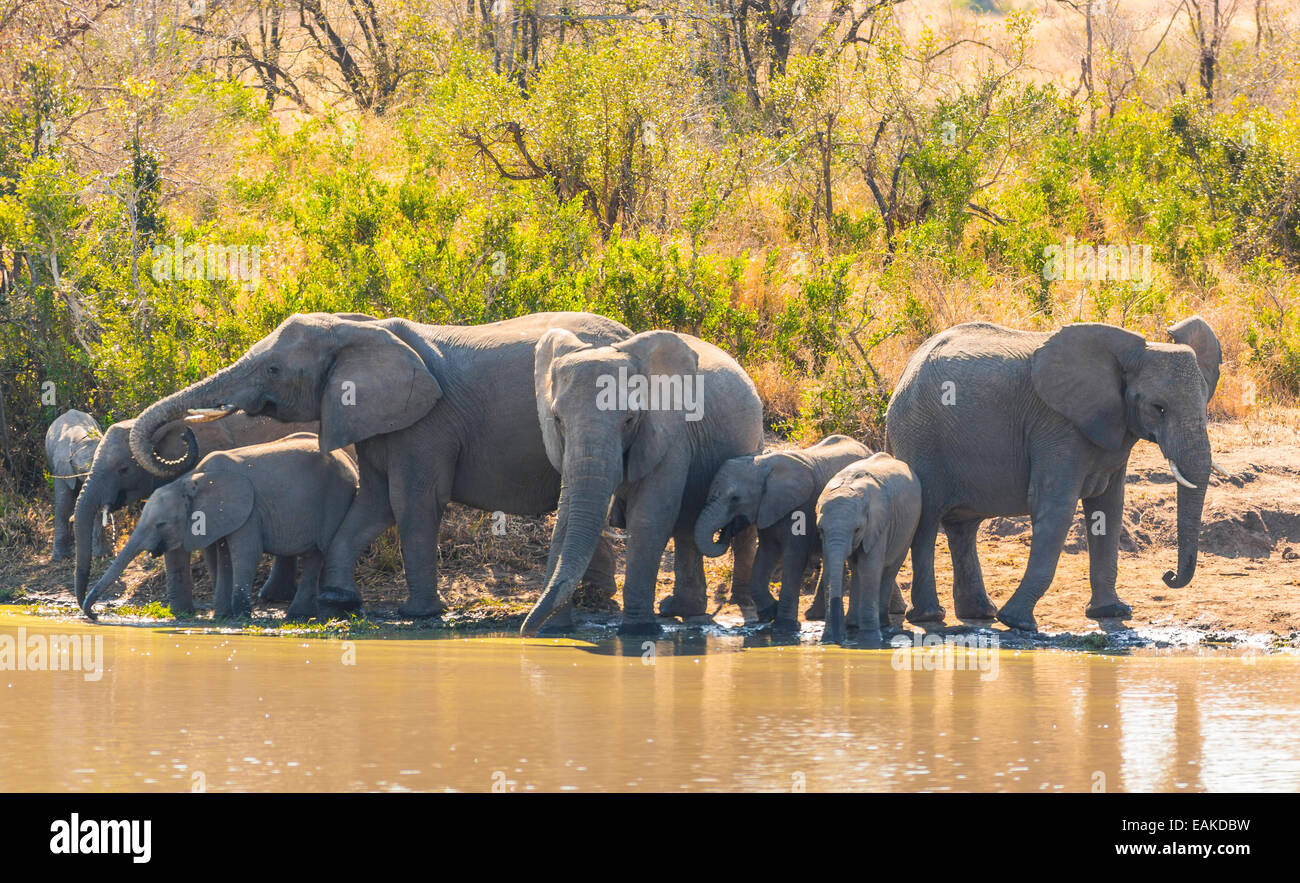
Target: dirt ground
1247,582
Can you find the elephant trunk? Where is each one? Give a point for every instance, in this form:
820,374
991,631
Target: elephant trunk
89,503
591,474
835,553
1194,467
204,393
133,547
712,519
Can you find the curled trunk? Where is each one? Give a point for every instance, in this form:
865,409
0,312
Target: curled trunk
712,519
206,393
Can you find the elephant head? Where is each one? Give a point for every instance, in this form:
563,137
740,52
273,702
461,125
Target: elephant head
116,480
355,376
190,513
598,439
1115,387
758,489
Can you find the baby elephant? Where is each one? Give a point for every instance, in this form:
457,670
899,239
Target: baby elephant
777,491
866,517
283,498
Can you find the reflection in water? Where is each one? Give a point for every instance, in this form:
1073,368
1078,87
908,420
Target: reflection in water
175,711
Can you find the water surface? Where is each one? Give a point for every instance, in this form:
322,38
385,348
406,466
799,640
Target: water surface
179,711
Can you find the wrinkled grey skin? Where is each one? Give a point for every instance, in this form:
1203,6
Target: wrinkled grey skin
70,444
777,493
284,498
117,480
649,468
1039,422
866,516
438,413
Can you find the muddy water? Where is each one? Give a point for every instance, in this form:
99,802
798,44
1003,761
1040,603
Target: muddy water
175,711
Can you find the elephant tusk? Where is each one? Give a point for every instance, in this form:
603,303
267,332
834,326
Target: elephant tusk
103,515
205,415
1178,475
1219,469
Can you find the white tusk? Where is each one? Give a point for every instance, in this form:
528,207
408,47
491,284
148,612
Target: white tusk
205,415
1178,475
1219,469
104,515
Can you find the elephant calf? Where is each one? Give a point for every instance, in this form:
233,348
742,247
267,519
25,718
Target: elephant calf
867,516
70,445
282,498
776,491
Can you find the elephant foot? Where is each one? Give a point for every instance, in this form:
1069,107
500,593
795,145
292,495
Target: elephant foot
981,609
1115,610
422,609
182,611
869,639
785,626
815,613
749,613
674,606
277,590
336,603
767,614
60,555
926,615
639,626
1017,619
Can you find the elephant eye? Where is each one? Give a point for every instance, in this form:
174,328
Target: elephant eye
273,369
1160,409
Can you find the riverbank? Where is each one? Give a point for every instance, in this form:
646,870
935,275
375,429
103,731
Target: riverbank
1246,590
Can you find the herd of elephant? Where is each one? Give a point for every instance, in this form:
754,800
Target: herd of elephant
334,427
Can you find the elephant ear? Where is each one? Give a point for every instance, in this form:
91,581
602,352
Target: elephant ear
223,500
376,385
789,484
1197,333
658,354
552,345
1079,373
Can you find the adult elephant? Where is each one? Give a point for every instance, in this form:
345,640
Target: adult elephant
117,480
438,413
1001,422
638,429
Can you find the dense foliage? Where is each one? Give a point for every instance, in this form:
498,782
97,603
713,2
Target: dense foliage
814,187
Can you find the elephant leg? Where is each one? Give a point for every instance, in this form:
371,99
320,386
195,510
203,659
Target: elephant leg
1103,521
303,607
793,563
650,525
180,582
599,580
890,596
690,588
925,596
744,548
865,595
968,593
64,504
1053,511
222,582
369,515
765,561
279,585
817,609
418,511
244,547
